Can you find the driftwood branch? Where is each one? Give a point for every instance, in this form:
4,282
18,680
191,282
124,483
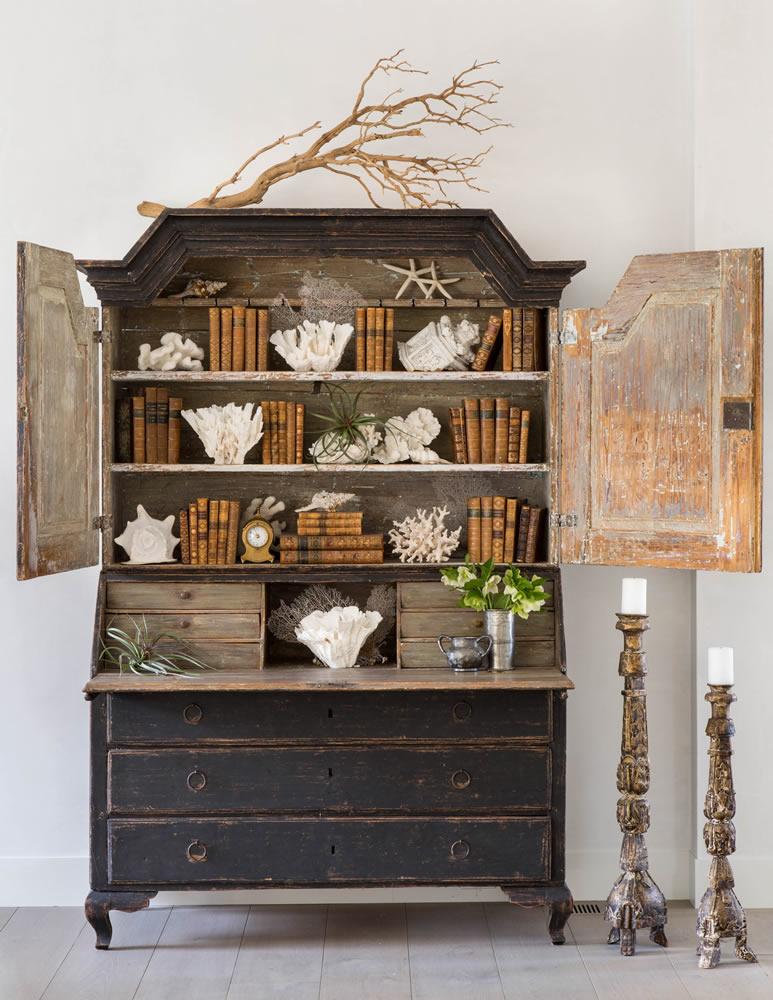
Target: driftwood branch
354,146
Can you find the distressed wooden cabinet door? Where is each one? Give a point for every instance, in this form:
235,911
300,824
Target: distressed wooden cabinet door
660,411
58,413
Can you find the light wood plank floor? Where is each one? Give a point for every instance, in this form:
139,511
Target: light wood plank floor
467,951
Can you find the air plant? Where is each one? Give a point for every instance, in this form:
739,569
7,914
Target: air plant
351,436
138,654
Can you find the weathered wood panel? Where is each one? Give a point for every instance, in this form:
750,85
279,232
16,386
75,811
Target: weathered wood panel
660,407
219,655
424,654
232,627
58,417
188,595
463,621
428,596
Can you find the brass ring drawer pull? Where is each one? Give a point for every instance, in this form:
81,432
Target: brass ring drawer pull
193,714
460,850
462,711
461,778
196,780
196,851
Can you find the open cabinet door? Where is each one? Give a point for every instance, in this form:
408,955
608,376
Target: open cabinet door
57,475
660,412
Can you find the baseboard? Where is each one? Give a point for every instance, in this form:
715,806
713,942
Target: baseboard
753,879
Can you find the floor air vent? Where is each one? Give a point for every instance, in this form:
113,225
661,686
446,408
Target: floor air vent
587,907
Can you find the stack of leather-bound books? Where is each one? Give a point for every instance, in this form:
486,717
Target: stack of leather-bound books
331,536
209,532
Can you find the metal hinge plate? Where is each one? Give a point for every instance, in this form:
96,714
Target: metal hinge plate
564,520
98,336
102,522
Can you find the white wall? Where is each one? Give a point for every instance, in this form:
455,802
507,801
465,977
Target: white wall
734,207
103,105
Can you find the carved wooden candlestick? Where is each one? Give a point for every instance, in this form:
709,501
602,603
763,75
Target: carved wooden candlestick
720,915
635,901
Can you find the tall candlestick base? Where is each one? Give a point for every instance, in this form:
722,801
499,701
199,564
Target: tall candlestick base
635,900
720,915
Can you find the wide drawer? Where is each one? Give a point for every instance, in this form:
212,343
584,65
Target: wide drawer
463,621
437,595
351,780
421,654
233,625
323,716
128,595
286,851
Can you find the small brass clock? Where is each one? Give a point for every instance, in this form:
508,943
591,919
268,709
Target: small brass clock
257,536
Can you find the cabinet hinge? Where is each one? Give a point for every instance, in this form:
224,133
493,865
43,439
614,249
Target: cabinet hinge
102,522
563,520
98,336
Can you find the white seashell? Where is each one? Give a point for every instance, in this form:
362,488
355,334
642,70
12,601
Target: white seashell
148,540
336,636
313,347
326,450
324,500
406,439
227,432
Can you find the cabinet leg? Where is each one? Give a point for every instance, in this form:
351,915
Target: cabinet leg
560,907
99,904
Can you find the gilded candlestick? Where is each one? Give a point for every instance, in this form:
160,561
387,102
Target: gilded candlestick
635,900
720,915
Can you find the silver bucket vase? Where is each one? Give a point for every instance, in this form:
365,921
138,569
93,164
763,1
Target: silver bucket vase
500,625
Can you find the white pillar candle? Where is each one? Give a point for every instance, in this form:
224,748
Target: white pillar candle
634,600
720,665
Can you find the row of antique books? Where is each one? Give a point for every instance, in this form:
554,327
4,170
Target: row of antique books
238,339
489,431
330,537
523,340
504,528
374,333
209,532
148,428
282,441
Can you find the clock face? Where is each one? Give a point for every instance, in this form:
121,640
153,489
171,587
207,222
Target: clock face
257,535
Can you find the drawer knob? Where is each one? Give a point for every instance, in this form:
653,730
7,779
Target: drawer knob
185,595
193,714
196,851
462,711
183,623
461,778
460,850
196,780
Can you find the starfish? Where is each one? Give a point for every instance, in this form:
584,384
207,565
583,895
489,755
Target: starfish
413,275
437,285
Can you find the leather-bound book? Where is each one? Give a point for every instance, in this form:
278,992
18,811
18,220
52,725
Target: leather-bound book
517,340
138,430
501,427
359,339
193,530
523,533
498,529
332,556
238,334
223,516
523,448
175,429
389,340
486,528
123,429
282,424
379,344
472,430
300,417
487,342
265,441
473,528
274,428
317,522
511,523
202,512
514,435
507,340
232,543
308,543
532,535
250,339
185,540
528,339
487,430
214,339
370,340
226,339
290,410
162,425
214,513
263,333
151,435
456,414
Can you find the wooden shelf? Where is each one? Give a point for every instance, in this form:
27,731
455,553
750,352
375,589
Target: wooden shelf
284,377
277,572
322,679
297,303
532,468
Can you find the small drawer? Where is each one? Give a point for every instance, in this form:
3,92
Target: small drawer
127,595
423,654
437,595
232,626
462,621
322,716
463,779
280,851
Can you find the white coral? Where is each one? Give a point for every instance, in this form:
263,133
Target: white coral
174,353
267,509
227,432
325,500
315,347
336,636
424,538
406,439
